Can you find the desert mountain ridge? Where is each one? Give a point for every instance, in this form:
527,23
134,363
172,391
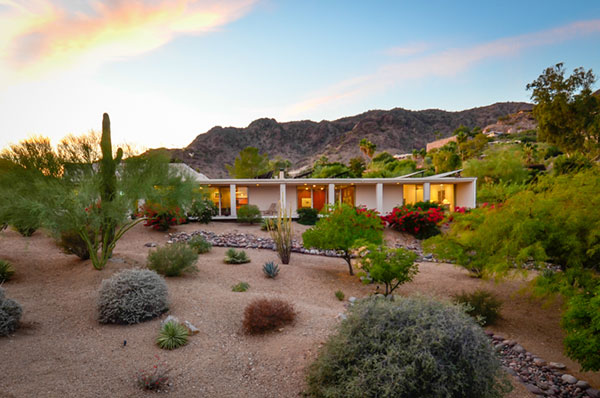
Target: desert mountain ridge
302,142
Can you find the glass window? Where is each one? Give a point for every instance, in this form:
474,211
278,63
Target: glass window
304,197
443,194
413,193
241,196
221,198
344,194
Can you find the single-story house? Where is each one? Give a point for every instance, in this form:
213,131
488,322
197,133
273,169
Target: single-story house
381,194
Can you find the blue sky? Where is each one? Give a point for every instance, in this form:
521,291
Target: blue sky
166,71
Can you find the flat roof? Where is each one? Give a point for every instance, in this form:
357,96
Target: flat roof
340,181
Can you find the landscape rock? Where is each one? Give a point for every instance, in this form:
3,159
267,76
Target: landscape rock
584,385
593,393
168,319
191,328
557,365
569,379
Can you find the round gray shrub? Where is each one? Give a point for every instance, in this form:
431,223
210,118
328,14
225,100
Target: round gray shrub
132,296
413,347
10,314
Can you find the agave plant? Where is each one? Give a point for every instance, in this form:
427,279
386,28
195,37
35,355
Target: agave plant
271,269
233,256
172,335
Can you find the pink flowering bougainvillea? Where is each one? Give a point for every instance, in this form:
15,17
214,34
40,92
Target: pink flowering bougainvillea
418,222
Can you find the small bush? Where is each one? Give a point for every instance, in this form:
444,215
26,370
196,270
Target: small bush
267,224
154,379
481,305
248,214
262,315
10,314
240,287
413,347
339,295
72,243
392,267
199,244
6,271
25,231
172,335
132,296
271,269
173,260
233,256
203,210
564,164
308,216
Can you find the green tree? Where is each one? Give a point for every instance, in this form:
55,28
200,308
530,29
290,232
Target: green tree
357,166
249,164
446,158
392,267
341,228
567,113
367,147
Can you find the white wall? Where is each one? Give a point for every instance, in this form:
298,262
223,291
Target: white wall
465,194
263,196
291,198
365,196
392,197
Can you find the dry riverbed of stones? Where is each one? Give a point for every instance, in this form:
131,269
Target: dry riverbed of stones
539,377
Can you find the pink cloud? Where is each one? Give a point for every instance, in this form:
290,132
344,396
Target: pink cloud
445,63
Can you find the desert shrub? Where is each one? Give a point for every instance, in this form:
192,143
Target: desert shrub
72,243
154,379
248,214
240,287
505,163
418,222
498,193
263,314
339,295
132,296
392,267
341,227
414,347
270,269
564,164
582,324
281,233
233,256
6,271
199,244
173,260
203,209
267,223
172,335
481,305
161,218
10,314
308,216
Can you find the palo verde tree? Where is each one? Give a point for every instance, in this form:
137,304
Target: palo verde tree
567,112
341,228
92,201
249,164
390,266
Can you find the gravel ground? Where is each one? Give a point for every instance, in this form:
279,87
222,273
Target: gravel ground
62,351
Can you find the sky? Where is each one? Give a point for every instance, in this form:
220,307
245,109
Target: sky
168,70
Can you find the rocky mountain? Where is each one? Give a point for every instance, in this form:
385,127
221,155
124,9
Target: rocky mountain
513,123
302,142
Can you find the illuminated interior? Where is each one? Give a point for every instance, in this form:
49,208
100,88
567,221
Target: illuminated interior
443,194
314,196
345,194
241,196
222,199
413,193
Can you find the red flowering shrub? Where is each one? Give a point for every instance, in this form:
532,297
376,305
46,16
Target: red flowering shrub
154,379
160,217
370,213
418,222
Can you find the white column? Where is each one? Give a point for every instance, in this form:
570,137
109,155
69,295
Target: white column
331,194
426,192
474,188
401,201
379,197
282,188
232,200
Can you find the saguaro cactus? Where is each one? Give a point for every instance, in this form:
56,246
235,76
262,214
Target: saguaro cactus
108,187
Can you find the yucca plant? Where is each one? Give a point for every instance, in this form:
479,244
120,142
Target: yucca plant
172,335
271,269
281,233
233,256
6,271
